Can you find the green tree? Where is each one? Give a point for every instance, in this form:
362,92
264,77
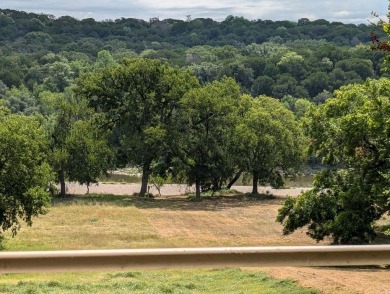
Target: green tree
79,149
139,98
301,107
352,131
89,155
59,127
59,76
124,53
204,128
288,85
25,174
20,100
269,143
363,67
316,83
292,63
242,74
11,70
200,54
104,59
206,72
262,86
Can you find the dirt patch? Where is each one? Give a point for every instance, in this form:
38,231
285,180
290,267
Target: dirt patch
336,280
167,190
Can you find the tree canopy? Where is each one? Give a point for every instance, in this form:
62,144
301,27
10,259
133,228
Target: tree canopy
204,128
268,143
25,174
172,98
138,98
350,132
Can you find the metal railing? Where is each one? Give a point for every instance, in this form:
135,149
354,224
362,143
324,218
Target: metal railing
87,260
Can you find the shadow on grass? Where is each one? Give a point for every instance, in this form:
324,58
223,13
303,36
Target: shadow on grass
207,203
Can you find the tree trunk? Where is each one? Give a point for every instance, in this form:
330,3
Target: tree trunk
255,182
62,184
232,182
145,180
216,185
197,190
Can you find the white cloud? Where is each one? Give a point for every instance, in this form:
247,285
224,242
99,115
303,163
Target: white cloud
342,13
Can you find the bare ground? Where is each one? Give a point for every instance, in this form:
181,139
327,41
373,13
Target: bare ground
167,190
236,223
337,280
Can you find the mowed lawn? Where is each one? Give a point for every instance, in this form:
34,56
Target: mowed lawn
111,221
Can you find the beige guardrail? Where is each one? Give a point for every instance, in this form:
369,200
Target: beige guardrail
126,259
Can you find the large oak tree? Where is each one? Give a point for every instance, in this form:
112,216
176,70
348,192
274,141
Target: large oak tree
203,131
268,141
139,98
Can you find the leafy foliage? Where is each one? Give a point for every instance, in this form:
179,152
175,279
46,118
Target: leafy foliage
89,154
79,149
278,58
159,119
24,172
139,98
352,131
268,141
204,127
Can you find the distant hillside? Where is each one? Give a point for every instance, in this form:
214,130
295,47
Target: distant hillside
283,59
67,32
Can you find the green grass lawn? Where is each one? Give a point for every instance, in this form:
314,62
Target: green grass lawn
169,281
107,221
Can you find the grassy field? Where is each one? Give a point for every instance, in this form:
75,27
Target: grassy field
184,281
109,221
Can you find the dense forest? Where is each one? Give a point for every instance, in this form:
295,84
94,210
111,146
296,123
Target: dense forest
199,102
283,59
66,32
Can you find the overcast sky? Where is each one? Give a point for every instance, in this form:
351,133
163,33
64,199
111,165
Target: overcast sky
347,11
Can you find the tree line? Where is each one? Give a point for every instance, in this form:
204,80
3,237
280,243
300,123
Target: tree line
304,59
203,115
35,30
159,118
309,70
